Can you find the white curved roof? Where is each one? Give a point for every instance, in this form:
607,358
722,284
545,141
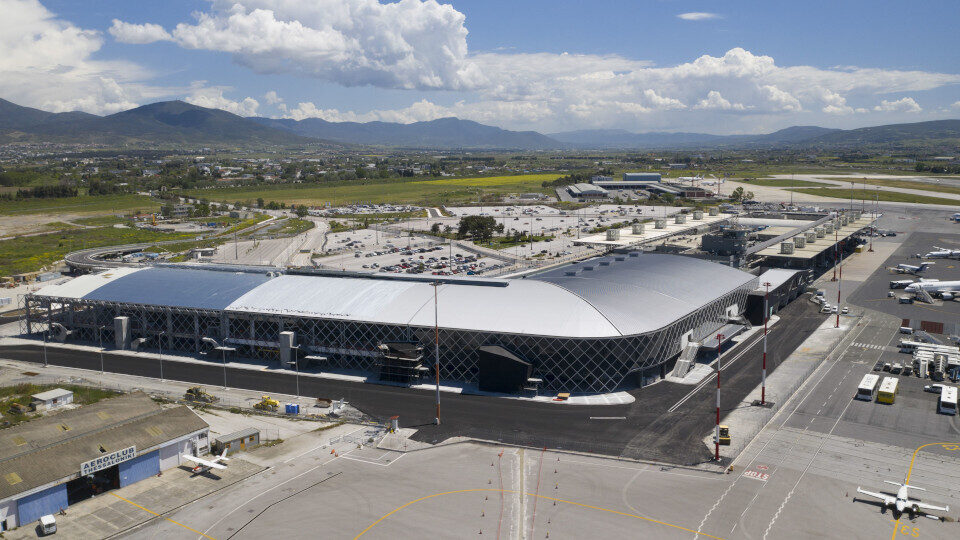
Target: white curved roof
523,306
606,297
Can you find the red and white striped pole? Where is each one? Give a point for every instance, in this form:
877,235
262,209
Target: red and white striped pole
716,434
839,282
763,373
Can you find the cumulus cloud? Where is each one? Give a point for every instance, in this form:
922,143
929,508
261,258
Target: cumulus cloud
409,44
716,102
698,16
901,105
48,63
138,33
424,110
212,97
272,98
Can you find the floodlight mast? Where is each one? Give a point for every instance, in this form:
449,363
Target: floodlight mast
436,346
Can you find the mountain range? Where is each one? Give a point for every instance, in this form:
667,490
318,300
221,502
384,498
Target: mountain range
170,123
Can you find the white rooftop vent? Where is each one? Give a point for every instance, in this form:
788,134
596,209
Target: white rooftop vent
786,248
613,234
660,224
637,228
680,218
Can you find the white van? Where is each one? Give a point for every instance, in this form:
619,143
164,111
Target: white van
48,525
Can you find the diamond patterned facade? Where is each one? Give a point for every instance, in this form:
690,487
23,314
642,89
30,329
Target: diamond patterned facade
620,358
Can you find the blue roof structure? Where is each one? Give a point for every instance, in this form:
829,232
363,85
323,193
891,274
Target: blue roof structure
179,287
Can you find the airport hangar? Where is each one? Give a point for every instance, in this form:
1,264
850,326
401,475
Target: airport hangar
49,463
611,323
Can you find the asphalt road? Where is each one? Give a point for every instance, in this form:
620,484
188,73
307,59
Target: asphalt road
643,429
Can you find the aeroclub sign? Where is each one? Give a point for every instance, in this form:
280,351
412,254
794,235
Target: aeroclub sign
107,460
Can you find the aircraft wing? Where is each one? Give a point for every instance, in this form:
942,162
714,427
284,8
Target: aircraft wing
204,462
925,506
887,499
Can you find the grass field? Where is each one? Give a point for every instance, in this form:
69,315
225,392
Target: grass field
100,221
783,182
83,204
20,394
31,253
869,195
400,191
907,184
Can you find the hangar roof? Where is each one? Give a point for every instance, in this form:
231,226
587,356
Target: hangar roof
39,452
618,295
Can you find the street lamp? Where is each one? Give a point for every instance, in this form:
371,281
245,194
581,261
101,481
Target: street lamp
763,373
223,350
100,339
294,350
716,435
45,332
436,346
160,347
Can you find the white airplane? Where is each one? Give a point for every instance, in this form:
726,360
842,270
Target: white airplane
942,253
904,268
947,290
204,465
902,501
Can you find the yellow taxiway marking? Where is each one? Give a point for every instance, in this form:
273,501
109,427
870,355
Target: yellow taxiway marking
158,515
395,510
948,446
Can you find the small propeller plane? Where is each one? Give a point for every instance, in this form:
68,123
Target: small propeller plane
204,465
901,502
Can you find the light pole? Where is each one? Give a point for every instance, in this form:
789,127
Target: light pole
100,339
436,345
45,332
763,372
716,434
160,347
294,350
839,283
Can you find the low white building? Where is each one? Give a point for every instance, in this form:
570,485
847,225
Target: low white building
51,399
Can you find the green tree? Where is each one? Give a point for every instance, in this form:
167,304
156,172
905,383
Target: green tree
301,211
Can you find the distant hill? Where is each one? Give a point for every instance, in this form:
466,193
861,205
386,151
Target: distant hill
441,133
892,134
929,134
167,122
179,123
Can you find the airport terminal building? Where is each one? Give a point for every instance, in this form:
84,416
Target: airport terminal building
610,323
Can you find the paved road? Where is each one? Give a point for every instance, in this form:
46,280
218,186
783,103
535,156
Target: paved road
643,429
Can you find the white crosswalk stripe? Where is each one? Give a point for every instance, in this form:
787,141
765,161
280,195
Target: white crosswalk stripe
869,346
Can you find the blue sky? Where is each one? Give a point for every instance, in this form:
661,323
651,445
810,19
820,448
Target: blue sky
718,67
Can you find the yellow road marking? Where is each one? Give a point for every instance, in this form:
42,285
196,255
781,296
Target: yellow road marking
158,515
395,510
948,446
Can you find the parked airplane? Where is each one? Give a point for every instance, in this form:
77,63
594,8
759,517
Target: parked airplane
204,465
904,268
947,290
902,502
942,253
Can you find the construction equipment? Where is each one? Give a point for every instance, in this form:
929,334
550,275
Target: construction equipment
725,435
199,395
267,404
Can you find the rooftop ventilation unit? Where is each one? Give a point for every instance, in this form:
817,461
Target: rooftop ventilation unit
800,240
613,234
811,236
660,224
680,218
786,248
637,228
714,211
697,214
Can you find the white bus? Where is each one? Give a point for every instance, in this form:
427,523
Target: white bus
868,387
948,400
